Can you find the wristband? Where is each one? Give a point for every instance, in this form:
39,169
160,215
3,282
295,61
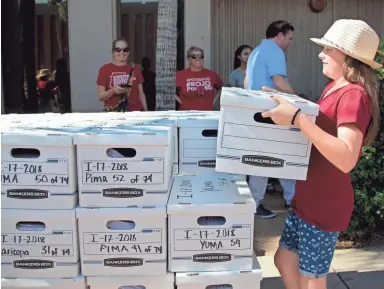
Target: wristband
294,116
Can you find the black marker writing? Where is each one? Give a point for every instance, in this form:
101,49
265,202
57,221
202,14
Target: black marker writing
9,179
211,245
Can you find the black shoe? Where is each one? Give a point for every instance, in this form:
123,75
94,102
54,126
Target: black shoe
264,213
288,206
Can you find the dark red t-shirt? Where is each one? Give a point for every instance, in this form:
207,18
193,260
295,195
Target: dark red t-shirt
111,75
45,90
326,198
197,88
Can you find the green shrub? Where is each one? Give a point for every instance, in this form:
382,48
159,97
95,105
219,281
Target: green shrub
368,181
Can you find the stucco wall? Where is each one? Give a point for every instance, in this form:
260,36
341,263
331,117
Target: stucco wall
244,22
198,27
92,28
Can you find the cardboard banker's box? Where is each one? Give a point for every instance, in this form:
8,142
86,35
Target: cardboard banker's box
158,119
250,144
119,166
197,151
237,279
132,282
122,241
65,283
38,169
198,139
39,244
210,224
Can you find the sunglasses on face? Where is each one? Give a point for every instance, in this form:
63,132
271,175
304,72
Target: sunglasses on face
119,49
196,56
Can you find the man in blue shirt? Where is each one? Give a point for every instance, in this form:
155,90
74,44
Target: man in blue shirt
267,67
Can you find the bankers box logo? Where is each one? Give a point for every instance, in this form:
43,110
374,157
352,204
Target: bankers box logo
123,193
212,257
207,163
262,161
123,262
27,194
33,264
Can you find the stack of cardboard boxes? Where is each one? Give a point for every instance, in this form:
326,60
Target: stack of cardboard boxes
153,199
125,175
210,233
39,193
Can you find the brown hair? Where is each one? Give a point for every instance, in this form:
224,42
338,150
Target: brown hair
357,72
118,40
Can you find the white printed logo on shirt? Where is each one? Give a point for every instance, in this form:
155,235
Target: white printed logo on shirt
198,84
119,79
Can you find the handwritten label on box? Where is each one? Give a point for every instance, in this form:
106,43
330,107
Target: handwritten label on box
186,191
56,244
145,172
213,239
50,173
123,243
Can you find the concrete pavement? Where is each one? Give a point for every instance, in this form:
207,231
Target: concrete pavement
350,269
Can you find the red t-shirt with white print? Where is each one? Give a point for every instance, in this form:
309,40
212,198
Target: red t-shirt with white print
111,75
197,88
326,199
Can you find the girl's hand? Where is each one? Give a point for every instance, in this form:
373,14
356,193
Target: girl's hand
283,113
120,90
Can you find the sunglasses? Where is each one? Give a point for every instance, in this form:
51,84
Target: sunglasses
196,56
119,49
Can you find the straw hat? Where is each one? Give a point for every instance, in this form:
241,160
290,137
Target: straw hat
354,38
43,72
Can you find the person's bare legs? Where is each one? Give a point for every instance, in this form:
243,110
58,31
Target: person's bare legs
287,262
313,283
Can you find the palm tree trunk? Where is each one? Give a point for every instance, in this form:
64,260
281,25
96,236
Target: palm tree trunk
12,67
166,55
58,35
27,15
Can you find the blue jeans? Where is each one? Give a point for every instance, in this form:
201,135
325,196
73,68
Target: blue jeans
258,186
313,246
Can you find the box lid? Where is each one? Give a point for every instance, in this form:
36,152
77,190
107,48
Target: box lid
63,283
261,100
37,215
142,124
221,277
211,194
122,213
150,117
90,116
150,113
181,113
58,131
119,282
122,135
29,137
203,120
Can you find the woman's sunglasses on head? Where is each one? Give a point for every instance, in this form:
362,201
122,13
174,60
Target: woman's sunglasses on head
119,49
196,56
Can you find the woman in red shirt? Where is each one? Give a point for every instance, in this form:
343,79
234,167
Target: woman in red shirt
349,118
197,88
120,84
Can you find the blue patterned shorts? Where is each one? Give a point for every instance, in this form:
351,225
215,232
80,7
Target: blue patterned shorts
314,247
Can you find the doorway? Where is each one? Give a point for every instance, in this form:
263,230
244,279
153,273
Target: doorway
138,25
